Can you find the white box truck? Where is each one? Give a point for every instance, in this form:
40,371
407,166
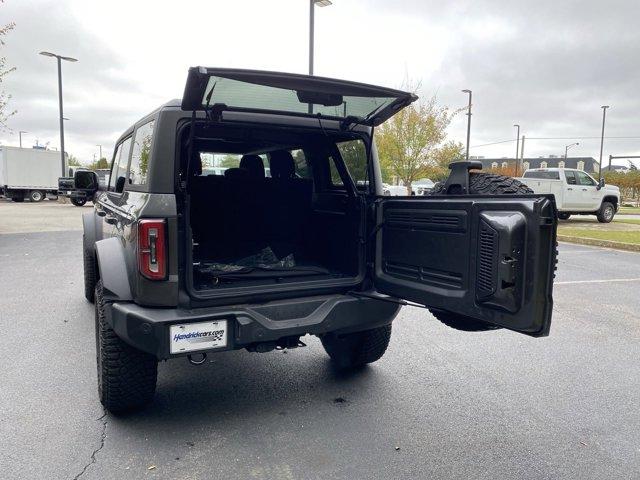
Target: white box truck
29,173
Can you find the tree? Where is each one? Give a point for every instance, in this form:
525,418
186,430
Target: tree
451,151
408,142
5,113
73,161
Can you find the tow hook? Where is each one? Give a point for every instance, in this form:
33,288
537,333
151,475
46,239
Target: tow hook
197,362
281,344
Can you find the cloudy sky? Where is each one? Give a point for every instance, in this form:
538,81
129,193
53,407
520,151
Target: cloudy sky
548,65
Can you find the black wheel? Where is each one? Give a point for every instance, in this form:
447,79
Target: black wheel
78,202
89,263
461,322
36,195
356,349
564,216
606,212
126,376
480,183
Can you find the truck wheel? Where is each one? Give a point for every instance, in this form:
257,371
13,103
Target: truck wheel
356,349
126,376
36,196
606,212
78,202
480,183
564,216
89,264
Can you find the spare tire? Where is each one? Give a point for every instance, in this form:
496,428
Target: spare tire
480,183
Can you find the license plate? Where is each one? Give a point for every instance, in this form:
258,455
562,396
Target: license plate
188,337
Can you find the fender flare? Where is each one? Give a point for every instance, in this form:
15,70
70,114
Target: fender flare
112,266
89,228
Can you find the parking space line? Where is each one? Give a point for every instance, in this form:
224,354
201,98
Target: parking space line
575,282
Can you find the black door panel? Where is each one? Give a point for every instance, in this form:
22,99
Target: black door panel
487,258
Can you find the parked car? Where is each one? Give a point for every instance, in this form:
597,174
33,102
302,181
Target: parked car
575,191
182,263
394,190
29,173
424,186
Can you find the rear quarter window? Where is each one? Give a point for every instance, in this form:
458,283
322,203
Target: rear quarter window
141,154
543,175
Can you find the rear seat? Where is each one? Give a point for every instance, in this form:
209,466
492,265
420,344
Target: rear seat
238,215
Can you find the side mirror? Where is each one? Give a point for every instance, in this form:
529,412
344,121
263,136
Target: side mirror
86,180
601,183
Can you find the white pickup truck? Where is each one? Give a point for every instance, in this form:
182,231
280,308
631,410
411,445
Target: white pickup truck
576,192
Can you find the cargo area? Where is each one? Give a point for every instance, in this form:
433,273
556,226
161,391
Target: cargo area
273,207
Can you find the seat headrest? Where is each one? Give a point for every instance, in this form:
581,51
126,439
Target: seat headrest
236,173
253,164
282,164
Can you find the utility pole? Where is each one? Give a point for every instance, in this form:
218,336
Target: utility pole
100,147
517,145
604,117
468,121
522,151
20,135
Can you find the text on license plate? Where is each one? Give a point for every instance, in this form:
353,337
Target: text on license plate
188,337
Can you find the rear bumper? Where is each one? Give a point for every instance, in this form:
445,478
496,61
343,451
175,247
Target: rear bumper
147,329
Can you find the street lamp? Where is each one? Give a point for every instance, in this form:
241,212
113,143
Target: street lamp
59,59
567,147
100,147
313,3
20,135
469,121
517,145
604,117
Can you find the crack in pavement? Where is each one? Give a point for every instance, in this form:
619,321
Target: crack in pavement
103,437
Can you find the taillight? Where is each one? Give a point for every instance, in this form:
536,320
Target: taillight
152,248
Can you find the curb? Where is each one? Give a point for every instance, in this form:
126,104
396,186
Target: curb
634,247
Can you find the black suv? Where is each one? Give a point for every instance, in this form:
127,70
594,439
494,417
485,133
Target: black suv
251,214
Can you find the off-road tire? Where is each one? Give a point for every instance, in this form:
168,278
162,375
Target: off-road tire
606,213
461,322
357,349
564,216
79,202
36,196
126,376
90,277
480,183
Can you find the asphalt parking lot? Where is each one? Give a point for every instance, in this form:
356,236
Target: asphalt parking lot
440,404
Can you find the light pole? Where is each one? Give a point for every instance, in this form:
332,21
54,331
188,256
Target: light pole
100,147
20,135
468,121
517,145
604,117
312,4
59,59
567,147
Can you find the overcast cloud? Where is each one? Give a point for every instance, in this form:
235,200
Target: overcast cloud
548,65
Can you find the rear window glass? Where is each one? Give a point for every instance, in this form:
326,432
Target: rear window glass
242,94
544,175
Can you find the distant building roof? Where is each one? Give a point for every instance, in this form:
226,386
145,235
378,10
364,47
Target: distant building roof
589,164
